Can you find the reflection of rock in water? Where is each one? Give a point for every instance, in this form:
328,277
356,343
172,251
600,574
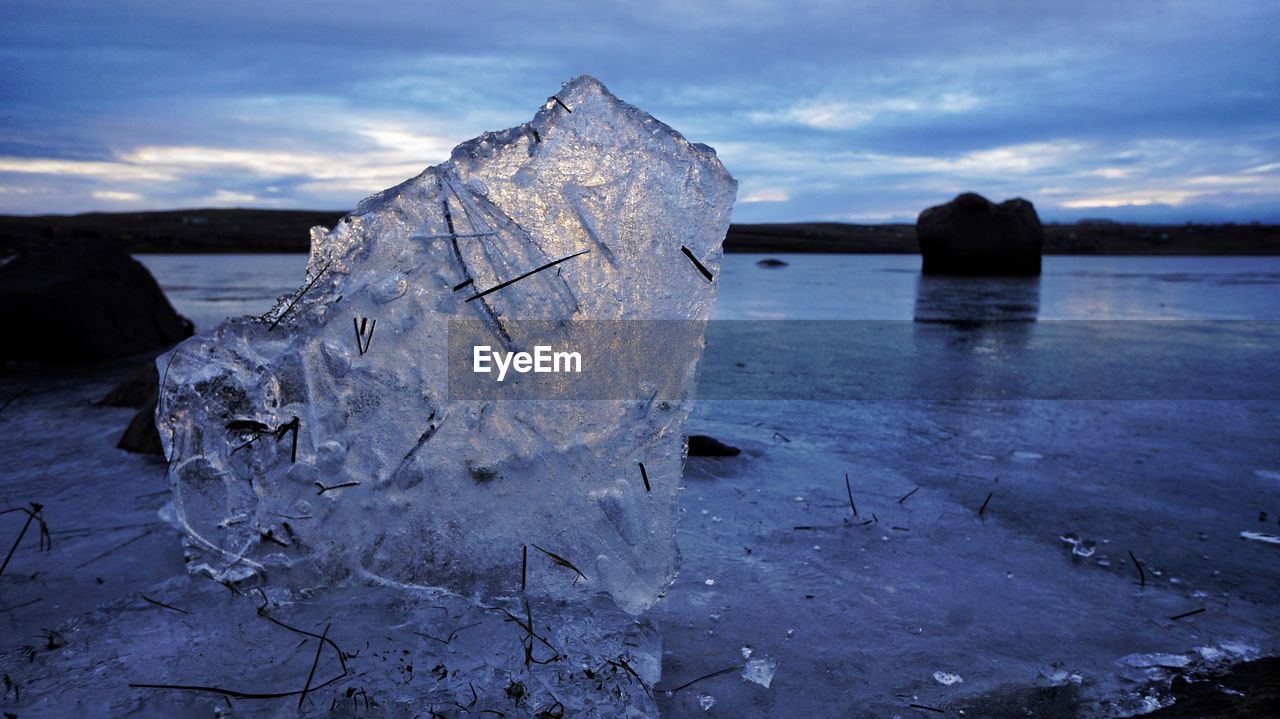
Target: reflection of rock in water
977,300
971,336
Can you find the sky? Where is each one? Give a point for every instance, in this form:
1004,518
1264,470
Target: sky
824,111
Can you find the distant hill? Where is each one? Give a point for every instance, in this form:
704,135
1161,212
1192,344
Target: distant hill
211,231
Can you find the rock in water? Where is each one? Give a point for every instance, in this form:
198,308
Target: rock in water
700,445
82,301
972,236
318,443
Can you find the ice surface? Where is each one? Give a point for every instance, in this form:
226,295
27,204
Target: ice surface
318,443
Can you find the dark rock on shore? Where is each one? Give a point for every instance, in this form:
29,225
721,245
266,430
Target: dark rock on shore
972,236
80,301
771,263
141,390
135,391
700,445
141,436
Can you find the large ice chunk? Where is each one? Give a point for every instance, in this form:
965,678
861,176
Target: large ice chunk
318,442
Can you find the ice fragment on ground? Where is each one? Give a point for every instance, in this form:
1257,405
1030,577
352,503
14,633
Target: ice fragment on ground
1168,661
947,679
1058,676
1261,537
1027,456
760,670
325,426
1079,547
1267,474
706,701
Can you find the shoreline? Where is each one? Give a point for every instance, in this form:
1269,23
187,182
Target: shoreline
218,231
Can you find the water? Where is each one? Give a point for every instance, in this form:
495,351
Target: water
209,288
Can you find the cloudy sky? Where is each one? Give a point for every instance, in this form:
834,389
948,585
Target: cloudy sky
842,111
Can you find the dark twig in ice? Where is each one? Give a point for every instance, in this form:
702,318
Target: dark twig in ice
781,436
452,235
324,639
20,606
927,708
524,566
290,426
314,662
849,488
555,711
452,634
14,398
705,272
621,663
563,562
422,439
290,516
561,104
983,508
900,529
645,476
363,341
35,514
726,670
527,626
162,605
324,489
1184,615
464,283
907,496
535,270
298,296
1142,576
234,694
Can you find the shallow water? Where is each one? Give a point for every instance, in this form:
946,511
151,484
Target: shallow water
209,288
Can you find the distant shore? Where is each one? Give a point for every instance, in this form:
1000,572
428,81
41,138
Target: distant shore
249,231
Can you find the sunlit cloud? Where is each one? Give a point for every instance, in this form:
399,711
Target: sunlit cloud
844,115
115,196
768,194
1127,200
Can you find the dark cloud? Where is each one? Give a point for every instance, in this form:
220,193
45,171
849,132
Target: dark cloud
856,110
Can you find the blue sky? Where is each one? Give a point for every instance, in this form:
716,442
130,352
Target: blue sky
838,111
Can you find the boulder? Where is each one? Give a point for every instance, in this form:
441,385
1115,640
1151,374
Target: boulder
141,391
141,436
973,236
700,445
136,391
81,301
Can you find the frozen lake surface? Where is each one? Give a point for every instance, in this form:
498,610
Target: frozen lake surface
990,565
